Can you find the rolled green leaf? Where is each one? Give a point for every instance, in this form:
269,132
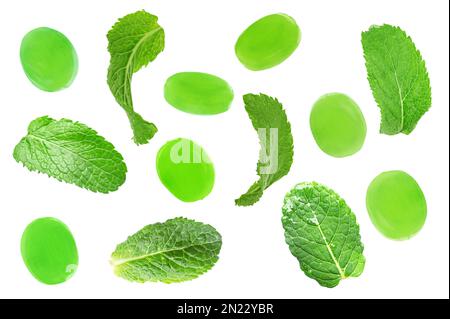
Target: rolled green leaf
134,42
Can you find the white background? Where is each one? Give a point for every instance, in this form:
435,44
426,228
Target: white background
254,261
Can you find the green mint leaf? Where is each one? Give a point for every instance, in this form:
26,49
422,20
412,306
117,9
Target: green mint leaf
134,42
73,153
277,145
177,250
322,233
398,78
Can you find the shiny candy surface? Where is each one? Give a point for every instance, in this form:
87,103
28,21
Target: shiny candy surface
185,170
198,93
48,59
338,125
396,205
49,251
268,42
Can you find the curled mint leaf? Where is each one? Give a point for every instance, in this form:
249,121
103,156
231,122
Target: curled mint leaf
134,42
73,153
277,144
398,78
178,250
322,233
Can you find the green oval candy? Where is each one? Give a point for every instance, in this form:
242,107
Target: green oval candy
49,251
268,42
48,59
396,205
338,125
198,93
185,170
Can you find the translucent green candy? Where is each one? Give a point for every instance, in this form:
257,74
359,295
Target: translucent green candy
268,42
48,59
49,251
185,170
338,125
396,205
198,93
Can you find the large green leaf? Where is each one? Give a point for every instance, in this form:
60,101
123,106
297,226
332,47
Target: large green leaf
73,153
322,233
177,250
398,77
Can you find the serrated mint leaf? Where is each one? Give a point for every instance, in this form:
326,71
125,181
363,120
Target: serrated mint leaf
177,250
73,153
322,233
398,78
277,145
134,42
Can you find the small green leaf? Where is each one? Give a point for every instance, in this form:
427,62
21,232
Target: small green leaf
398,78
177,250
322,233
134,42
73,153
277,144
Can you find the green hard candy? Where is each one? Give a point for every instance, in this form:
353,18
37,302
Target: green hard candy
198,93
185,170
268,42
48,59
49,251
396,205
338,125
